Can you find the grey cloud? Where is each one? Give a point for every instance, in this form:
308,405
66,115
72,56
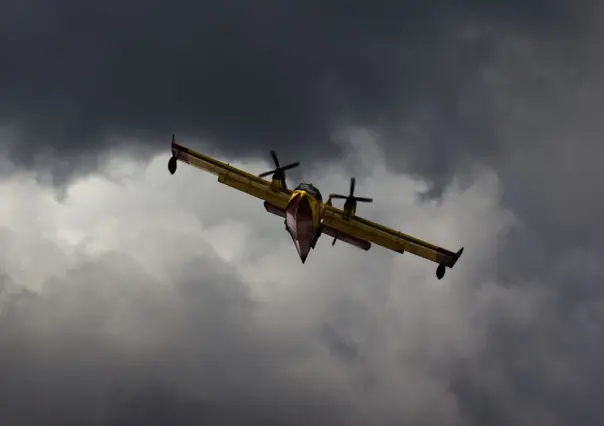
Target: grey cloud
105,345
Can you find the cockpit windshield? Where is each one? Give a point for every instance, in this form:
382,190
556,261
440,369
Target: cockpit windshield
311,190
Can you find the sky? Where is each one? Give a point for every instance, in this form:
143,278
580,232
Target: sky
130,296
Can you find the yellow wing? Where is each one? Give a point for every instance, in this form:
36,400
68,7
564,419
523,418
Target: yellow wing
271,192
366,230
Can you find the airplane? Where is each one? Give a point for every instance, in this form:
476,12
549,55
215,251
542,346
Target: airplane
307,217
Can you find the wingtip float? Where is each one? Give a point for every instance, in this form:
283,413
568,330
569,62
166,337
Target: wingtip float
307,217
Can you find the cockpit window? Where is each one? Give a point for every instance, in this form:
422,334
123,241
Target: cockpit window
311,190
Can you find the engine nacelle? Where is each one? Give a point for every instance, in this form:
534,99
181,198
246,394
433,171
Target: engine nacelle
349,209
347,213
172,165
440,271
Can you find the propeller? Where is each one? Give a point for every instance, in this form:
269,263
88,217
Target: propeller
279,172
351,200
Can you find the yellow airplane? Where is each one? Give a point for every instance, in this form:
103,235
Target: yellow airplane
307,217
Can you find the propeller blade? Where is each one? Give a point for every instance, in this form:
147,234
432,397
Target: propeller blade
364,200
290,166
278,172
352,185
338,196
173,139
267,173
275,159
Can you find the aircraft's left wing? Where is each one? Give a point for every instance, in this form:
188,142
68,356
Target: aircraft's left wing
365,230
231,176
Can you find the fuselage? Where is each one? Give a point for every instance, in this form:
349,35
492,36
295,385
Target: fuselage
303,218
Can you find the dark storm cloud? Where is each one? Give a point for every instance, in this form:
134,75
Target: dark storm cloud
253,76
516,85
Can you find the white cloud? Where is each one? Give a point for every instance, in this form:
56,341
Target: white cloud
402,325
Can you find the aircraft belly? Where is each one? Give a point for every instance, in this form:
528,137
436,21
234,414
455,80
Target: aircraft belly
299,223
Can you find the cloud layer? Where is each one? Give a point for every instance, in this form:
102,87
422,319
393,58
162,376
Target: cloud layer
145,307
140,298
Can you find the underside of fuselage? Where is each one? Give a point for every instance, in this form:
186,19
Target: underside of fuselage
299,222
302,222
